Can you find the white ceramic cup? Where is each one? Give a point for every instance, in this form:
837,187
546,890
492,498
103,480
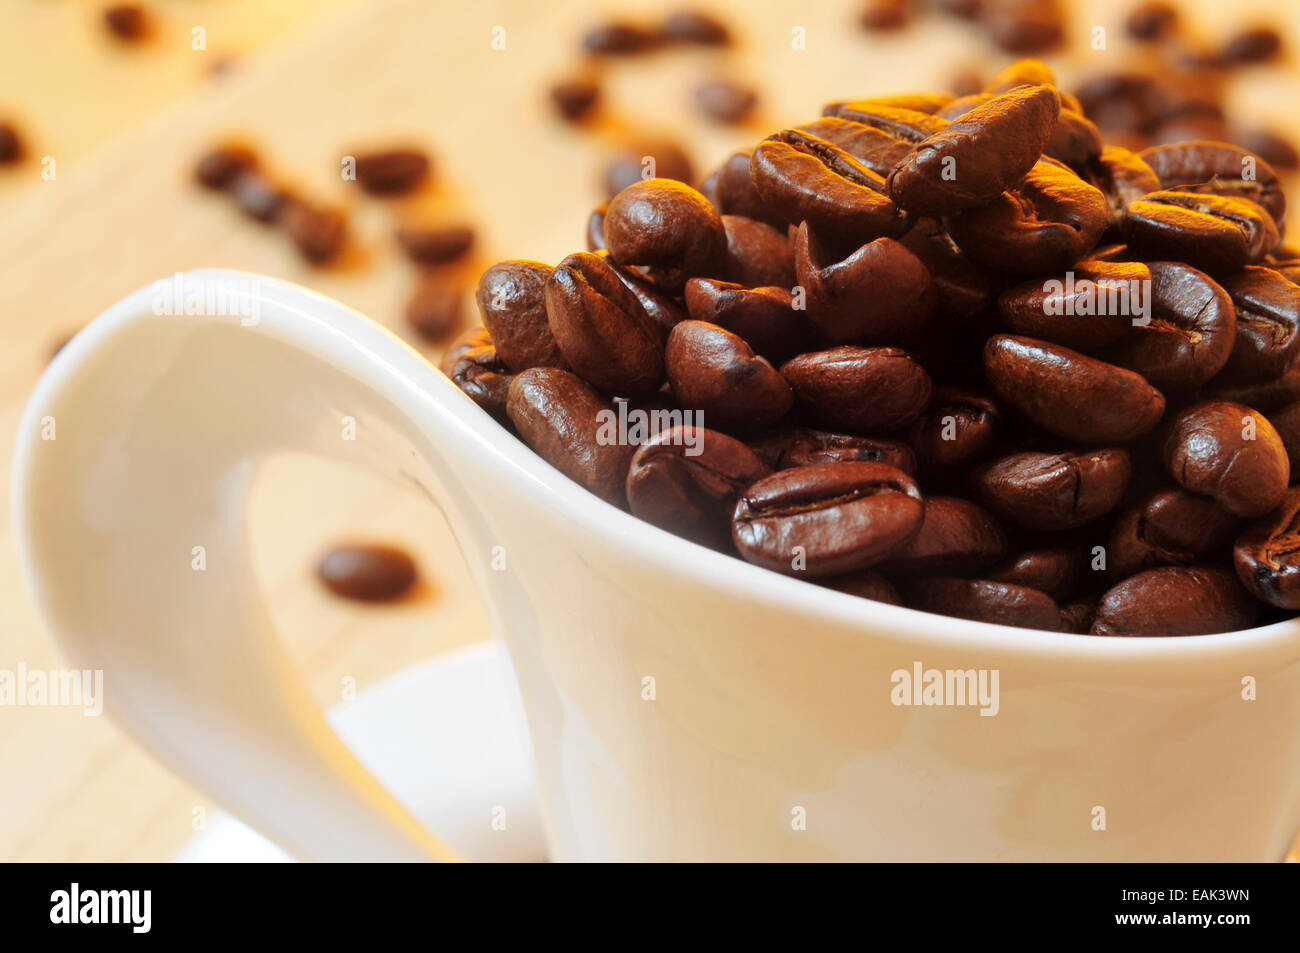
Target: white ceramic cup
682,704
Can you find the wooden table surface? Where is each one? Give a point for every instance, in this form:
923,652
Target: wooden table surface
311,80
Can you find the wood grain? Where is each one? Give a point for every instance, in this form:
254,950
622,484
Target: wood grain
323,79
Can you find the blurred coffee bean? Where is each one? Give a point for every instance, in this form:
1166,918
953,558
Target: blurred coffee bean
560,417
1219,169
435,309
620,38
1024,26
1265,396
714,371
1273,147
127,22
219,167
736,194
1267,556
1123,177
1286,421
574,98
1152,20
1256,44
647,159
257,196
1230,453
596,228
317,232
1022,72
874,391
1175,600
367,572
886,15
392,171
865,584
757,254
695,26
434,244
826,520
11,144
725,100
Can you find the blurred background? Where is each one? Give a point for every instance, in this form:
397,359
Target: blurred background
520,107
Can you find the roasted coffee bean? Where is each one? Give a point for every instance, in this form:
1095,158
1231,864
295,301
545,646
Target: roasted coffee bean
664,311
687,480
1268,323
978,156
763,317
1047,223
958,428
648,159
257,196
620,38
127,22
1267,556
1024,26
963,290
1053,491
511,299
435,244
367,572
11,144
601,327
805,178
695,26
1075,141
473,366
392,171
880,292
1220,169
596,228
962,105
1123,178
826,520
561,418
1069,394
1256,44
1216,234
1053,570
865,584
1175,600
757,254
1230,453
956,538
1286,421
714,371
319,233
916,102
1077,616
667,228
899,122
886,15
874,390
218,168
435,309
1088,308
965,82
574,98
1022,72
806,447
1273,147
1169,528
1152,20
736,195
1264,396
724,100
1190,334
984,600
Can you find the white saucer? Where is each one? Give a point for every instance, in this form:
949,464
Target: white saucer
447,737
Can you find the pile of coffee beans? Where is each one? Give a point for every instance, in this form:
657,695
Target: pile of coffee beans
980,364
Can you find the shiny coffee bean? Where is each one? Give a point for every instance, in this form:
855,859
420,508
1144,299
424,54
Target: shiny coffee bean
1216,234
978,156
1053,570
757,254
511,299
1265,396
367,572
1076,141
826,520
963,290
804,178
667,228
473,366
956,538
877,149
1175,600
1069,394
1191,331
392,171
1286,421
880,292
601,328
561,418
1267,555
1229,453
714,371
865,584
957,429
875,390
1088,308
1123,178
806,447
1047,223
1054,491
1267,305
736,195
435,244
687,480
1220,168
984,600
1169,528
764,317
664,310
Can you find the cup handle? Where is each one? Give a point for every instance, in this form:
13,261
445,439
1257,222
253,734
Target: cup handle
131,470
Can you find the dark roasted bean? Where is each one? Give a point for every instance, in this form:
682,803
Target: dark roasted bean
1220,169
392,171
647,159
1267,556
1211,232
1053,491
984,600
435,309
576,97
319,233
1090,307
695,26
764,317
667,228
806,447
958,428
757,254
714,371
1175,600
1053,570
1268,324
864,390
866,584
473,366
511,300
435,244
725,100
956,538
1170,528
1230,453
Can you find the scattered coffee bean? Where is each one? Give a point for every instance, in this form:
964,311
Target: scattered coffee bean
127,22
258,197
725,100
434,310
620,38
367,572
647,159
1024,26
218,168
318,233
1152,20
884,15
11,144
695,26
1257,44
574,98
435,244
392,171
